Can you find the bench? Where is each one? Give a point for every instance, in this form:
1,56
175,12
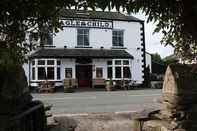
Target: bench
98,82
46,86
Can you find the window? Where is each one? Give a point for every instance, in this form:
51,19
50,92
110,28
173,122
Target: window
46,69
33,62
119,69
117,72
41,73
68,72
41,62
33,39
47,36
117,38
109,72
125,62
82,37
58,62
117,62
109,62
126,72
50,38
50,73
99,72
33,73
58,73
50,62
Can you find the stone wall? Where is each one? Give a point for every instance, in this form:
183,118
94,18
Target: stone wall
179,104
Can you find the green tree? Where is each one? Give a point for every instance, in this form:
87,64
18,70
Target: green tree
170,59
156,58
175,18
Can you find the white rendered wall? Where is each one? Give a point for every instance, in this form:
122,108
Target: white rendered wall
103,37
26,69
67,37
132,41
148,61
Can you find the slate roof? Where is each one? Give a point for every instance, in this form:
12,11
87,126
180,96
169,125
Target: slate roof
98,15
80,53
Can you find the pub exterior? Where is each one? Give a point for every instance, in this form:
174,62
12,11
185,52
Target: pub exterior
92,45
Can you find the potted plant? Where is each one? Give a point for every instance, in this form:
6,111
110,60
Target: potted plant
109,85
68,87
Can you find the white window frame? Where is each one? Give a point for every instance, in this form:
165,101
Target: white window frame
83,45
121,65
36,66
118,46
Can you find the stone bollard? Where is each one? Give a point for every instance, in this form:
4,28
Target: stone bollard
180,96
179,104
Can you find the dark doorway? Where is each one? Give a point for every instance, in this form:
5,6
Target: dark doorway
84,75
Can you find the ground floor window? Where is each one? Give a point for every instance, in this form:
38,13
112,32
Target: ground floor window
117,72
121,69
50,73
33,73
109,72
68,72
41,73
46,69
99,72
58,73
126,72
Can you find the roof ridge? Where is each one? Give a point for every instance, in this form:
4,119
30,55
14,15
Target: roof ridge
95,14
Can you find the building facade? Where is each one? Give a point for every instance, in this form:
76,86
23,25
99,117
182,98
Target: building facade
92,45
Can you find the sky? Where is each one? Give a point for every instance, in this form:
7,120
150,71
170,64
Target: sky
152,41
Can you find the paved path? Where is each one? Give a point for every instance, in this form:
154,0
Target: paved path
100,101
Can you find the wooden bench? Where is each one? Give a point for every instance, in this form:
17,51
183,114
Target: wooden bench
98,82
46,86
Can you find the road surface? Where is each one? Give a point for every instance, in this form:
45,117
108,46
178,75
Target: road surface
100,101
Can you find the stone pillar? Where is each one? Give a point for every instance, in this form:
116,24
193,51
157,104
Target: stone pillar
180,96
179,104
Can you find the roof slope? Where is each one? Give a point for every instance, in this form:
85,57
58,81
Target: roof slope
98,15
80,53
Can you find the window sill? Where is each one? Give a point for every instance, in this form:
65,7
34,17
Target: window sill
83,47
51,46
118,47
37,81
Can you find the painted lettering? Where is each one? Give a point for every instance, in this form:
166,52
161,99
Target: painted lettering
89,24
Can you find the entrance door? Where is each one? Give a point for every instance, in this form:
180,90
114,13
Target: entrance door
84,75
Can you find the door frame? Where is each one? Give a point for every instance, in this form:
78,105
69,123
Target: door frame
91,76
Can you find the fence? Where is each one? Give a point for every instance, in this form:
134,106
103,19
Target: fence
33,119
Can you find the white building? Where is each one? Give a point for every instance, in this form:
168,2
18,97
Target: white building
91,45
149,61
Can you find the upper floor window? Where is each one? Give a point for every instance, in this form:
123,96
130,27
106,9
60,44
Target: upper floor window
47,38
82,37
117,39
